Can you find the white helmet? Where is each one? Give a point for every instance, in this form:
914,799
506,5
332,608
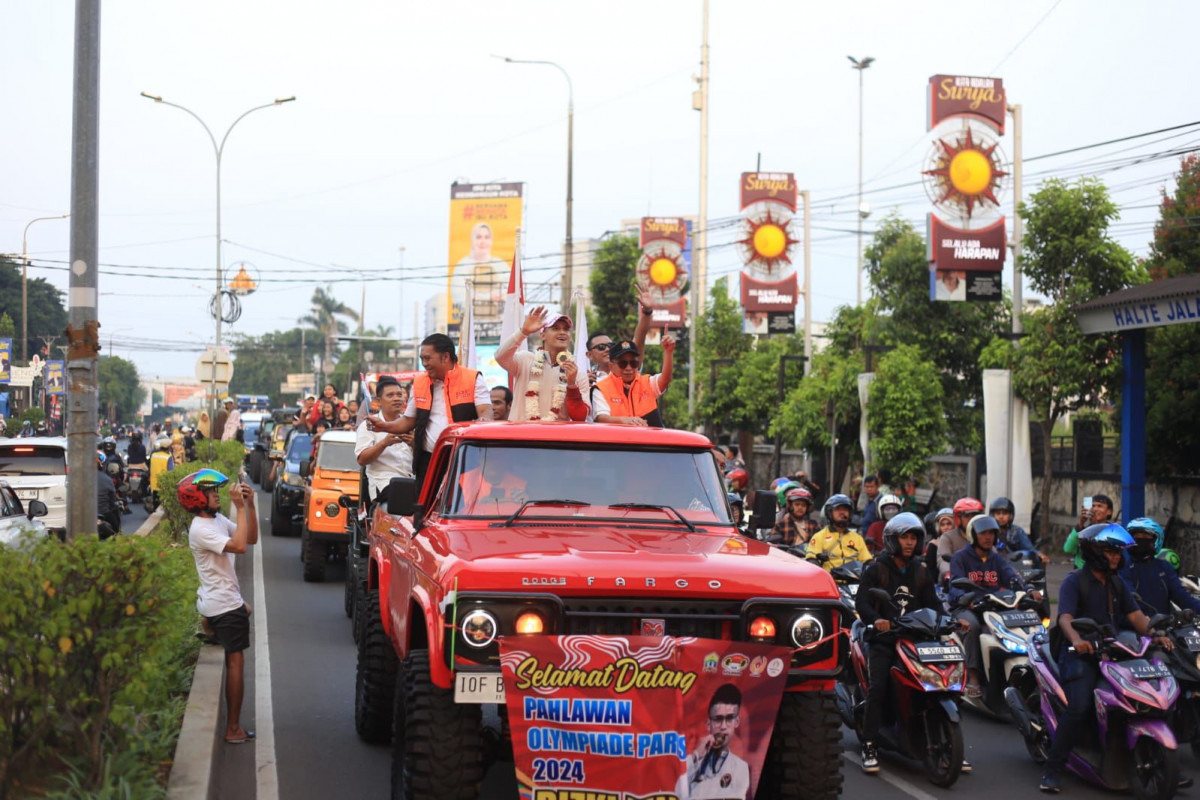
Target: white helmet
890,500
162,443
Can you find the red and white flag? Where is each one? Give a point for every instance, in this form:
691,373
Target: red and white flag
514,301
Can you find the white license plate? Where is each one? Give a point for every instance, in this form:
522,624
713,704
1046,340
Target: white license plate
478,687
27,494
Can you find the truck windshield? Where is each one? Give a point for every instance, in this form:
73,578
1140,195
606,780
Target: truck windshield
493,480
337,456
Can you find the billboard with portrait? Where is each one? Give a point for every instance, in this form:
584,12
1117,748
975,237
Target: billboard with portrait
5,360
484,218
55,381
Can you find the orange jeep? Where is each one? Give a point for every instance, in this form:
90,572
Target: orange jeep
333,473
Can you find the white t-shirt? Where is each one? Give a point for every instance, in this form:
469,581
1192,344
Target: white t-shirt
394,462
437,409
714,779
219,591
600,403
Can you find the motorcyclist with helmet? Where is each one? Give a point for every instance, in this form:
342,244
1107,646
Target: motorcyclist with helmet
1012,537
737,480
135,453
792,527
1098,593
108,505
950,543
900,573
836,543
984,566
943,525
738,508
1152,578
889,506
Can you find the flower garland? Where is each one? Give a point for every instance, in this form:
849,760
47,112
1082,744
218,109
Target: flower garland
533,390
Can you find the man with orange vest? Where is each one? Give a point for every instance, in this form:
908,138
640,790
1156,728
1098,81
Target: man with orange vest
628,397
446,393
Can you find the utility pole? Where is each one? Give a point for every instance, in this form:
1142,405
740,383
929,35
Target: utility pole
860,65
83,327
806,196
700,279
1017,301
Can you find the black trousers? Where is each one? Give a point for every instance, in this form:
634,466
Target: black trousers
1079,677
880,657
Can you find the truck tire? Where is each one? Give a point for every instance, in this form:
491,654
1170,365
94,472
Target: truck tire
281,523
348,591
375,677
804,759
437,744
315,554
255,468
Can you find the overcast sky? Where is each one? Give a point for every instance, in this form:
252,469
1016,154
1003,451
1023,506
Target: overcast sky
398,99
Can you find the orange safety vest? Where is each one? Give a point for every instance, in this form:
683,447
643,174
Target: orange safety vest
458,392
635,400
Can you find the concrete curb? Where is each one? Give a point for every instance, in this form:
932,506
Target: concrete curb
195,753
147,527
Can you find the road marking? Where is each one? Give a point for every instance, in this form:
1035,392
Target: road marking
898,782
267,786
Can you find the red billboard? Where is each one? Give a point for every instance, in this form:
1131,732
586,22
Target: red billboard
981,250
963,95
640,716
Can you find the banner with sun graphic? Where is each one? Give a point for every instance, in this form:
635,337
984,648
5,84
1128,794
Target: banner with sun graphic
768,283
965,179
663,270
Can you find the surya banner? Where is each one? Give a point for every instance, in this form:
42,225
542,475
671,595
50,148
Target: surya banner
962,95
634,717
484,218
663,271
769,287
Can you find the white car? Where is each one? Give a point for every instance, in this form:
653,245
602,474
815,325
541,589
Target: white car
15,520
36,469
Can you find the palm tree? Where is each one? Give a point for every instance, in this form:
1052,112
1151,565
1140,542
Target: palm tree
325,317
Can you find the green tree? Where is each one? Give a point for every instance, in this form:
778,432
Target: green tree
8,328
950,335
121,392
47,314
822,407
325,316
262,363
614,287
906,419
1173,352
1070,258
719,336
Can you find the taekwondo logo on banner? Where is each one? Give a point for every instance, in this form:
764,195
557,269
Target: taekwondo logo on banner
663,270
964,178
769,286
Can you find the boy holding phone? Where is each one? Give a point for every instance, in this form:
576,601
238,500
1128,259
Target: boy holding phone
1095,510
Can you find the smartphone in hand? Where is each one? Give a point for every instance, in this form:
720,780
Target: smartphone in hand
1087,502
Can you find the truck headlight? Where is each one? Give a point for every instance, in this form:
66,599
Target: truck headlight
479,628
331,509
807,631
292,479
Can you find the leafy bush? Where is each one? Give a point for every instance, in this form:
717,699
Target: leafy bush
96,655
228,461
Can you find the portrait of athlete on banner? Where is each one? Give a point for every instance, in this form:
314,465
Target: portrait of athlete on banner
714,772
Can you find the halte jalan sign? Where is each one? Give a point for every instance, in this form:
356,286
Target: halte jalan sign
1147,313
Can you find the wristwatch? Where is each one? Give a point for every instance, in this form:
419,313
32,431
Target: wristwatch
647,311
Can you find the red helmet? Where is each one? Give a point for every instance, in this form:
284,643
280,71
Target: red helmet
738,475
966,507
800,494
191,490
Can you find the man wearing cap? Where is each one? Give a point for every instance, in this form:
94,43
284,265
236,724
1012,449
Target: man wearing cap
547,383
628,397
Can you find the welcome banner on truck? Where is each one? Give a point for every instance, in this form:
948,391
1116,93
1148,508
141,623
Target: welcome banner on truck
637,717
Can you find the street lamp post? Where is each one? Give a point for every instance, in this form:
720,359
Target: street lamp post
218,150
569,281
25,285
860,65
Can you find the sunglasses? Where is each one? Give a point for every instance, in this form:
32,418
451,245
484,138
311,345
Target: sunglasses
602,346
626,363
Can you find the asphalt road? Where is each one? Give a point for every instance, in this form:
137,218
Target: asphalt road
308,747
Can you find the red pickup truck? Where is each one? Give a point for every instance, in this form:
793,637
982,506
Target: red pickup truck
525,529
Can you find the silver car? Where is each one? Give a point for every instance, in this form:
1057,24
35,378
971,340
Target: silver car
17,518
36,469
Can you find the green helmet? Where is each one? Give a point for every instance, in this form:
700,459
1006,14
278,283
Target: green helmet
1171,557
781,492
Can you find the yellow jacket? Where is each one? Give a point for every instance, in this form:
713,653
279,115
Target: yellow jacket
849,546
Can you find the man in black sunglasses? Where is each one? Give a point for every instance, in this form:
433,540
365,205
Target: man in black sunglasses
598,344
628,397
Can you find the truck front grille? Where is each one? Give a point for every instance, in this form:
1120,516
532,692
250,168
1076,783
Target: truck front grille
623,617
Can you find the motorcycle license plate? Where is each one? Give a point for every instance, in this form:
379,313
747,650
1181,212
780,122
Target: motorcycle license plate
1020,619
1191,639
935,653
1145,671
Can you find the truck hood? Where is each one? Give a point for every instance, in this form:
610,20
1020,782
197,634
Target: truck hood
598,560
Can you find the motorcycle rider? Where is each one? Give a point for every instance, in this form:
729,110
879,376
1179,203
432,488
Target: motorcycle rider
836,543
950,543
899,572
1152,578
1012,537
135,453
943,523
792,527
160,462
889,506
737,508
108,506
1096,592
982,565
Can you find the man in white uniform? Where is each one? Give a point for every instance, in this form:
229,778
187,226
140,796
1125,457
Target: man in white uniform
713,771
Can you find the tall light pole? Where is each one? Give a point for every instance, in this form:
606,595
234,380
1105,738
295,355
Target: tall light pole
861,66
218,149
569,280
699,281
25,284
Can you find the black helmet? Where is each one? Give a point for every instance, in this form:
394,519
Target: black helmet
1095,539
982,524
1002,504
834,502
904,522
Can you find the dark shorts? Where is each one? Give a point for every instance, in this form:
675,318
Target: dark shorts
232,629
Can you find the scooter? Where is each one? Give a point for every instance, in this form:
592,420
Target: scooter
136,477
1184,662
1028,564
114,471
1132,746
921,720
1008,619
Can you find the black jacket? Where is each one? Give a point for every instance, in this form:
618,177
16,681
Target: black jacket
911,589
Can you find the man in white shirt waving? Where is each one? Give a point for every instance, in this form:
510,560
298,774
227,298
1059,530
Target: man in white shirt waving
215,540
385,455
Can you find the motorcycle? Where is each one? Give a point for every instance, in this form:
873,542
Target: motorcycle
113,468
1028,564
1008,619
1184,662
847,577
1132,746
921,720
136,478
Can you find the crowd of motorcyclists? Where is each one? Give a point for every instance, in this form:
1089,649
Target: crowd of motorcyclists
966,577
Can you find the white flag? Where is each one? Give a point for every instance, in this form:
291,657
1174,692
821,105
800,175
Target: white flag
514,301
466,337
581,331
